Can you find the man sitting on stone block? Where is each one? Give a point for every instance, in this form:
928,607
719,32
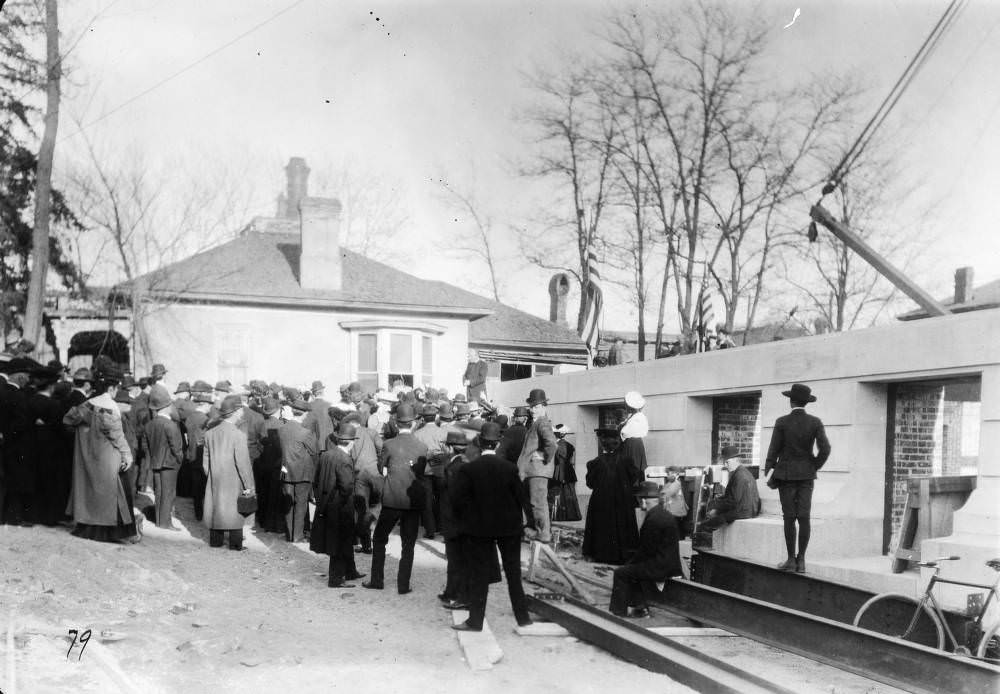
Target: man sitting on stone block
657,559
740,500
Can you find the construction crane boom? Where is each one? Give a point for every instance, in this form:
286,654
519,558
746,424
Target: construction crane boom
931,305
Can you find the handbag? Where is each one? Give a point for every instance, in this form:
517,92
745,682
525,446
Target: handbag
246,502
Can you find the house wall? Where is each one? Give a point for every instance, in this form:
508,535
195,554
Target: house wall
292,347
849,373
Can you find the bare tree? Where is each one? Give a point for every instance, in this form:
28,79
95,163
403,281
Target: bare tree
373,216
148,223
844,291
479,243
576,141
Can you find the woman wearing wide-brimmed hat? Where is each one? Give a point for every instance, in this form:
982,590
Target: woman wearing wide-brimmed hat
634,428
791,457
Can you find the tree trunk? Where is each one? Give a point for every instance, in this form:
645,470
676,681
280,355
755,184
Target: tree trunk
43,181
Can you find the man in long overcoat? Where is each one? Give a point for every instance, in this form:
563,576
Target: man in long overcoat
489,504
53,468
99,504
18,439
456,591
333,526
226,463
403,462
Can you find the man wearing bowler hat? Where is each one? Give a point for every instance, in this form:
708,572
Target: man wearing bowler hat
791,457
740,500
535,463
489,502
657,559
402,463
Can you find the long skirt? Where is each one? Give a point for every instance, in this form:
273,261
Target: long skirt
123,529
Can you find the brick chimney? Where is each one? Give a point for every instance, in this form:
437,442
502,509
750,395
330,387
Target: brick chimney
558,289
297,176
319,254
963,285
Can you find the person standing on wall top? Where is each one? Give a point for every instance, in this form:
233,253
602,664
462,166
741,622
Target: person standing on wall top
791,457
633,430
474,379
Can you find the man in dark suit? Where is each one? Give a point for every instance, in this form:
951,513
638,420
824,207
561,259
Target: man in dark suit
740,500
402,462
164,449
475,375
299,451
17,436
657,559
489,501
512,439
791,457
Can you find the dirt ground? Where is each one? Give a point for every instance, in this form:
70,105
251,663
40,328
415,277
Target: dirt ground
187,618
196,619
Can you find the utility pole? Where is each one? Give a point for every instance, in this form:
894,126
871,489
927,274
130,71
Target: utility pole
43,180
884,267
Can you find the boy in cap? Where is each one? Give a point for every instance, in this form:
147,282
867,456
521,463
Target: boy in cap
333,526
164,449
791,457
657,559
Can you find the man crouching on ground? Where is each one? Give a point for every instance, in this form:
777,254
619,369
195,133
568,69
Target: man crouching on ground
657,559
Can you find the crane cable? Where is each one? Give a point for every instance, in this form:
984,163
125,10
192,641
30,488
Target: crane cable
927,49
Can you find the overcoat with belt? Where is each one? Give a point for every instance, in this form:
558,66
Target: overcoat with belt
226,463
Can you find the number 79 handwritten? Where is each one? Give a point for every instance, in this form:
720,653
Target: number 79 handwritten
84,640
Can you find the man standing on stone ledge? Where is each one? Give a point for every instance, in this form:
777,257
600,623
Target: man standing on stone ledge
791,457
474,379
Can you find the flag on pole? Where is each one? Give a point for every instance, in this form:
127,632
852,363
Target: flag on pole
706,317
593,302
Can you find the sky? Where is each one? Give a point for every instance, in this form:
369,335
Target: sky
427,90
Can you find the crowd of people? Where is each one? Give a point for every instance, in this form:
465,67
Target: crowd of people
101,452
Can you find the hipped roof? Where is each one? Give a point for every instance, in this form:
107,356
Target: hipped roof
262,268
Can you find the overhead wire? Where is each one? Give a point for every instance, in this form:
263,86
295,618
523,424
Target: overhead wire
919,60
184,69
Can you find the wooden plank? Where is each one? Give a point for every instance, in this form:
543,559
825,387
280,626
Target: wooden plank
927,302
480,647
690,631
924,514
577,586
542,629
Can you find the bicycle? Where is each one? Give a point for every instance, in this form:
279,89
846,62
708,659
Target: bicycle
885,614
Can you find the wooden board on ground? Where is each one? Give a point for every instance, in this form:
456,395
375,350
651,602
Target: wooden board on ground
690,631
542,629
480,647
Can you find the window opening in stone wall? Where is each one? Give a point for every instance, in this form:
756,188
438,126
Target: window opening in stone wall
514,372
935,428
736,422
544,369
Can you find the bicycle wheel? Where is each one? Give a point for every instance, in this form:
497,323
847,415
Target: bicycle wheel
903,617
989,645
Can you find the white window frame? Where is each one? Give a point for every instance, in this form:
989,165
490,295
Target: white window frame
384,330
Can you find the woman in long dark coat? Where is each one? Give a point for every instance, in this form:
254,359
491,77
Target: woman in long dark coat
562,486
611,534
333,526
